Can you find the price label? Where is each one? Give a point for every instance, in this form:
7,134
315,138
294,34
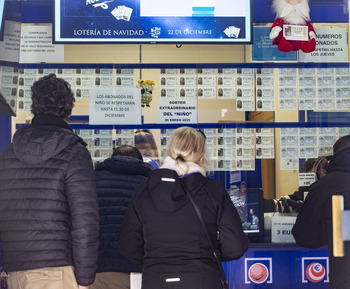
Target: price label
281,230
306,179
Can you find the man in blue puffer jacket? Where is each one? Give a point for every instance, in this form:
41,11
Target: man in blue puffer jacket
49,218
116,179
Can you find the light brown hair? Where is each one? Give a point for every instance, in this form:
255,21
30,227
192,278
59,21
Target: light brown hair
187,145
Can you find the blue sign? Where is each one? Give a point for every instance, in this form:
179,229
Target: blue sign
152,21
279,267
263,50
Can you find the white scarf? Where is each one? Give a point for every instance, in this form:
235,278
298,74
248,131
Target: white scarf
170,163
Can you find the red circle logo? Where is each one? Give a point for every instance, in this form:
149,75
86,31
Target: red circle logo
258,273
315,272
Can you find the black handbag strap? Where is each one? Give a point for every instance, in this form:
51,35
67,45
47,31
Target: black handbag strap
216,253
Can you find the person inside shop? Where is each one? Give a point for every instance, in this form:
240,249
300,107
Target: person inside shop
163,231
146,144
313,227
116,179
254,220
293,202
48,210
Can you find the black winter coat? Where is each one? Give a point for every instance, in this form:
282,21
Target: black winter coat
313,227
162,230
116,180
48,201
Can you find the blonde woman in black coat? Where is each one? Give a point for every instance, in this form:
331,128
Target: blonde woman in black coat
162,230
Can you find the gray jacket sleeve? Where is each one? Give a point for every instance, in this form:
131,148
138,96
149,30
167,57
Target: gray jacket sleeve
82,200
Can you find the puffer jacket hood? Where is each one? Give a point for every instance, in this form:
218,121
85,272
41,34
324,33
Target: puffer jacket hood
166,191
32,146
124,165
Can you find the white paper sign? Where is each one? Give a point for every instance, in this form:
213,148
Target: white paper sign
177,111
331,46
345,227
306,179
115,106
9,47
295,32
36,45
281,230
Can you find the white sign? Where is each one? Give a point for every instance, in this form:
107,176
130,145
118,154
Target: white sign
9,48
36,45
345,227
306,179
331,46
235,177
177,111
281,230
295,32
115,106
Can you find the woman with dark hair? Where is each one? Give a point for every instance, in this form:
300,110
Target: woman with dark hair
162,230
293,202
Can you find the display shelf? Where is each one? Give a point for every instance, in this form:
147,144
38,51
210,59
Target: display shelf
180,65
206,125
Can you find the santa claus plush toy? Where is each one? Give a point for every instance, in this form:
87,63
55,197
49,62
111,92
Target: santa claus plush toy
292,29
